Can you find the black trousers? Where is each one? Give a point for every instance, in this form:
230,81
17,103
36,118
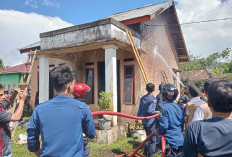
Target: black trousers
150,145
173,151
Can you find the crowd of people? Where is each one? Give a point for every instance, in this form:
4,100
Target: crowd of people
191,126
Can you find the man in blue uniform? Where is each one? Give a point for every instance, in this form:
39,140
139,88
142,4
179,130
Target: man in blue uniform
212,137
61,120
159,98
171,121
147,108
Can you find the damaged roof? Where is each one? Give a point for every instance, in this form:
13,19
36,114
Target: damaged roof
148,10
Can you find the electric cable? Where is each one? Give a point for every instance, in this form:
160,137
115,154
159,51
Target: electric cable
195,22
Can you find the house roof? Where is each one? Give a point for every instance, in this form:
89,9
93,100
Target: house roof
146,11
149,12
200,75
129,17
32,47
16,69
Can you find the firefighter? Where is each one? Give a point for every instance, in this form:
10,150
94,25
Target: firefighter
159,98
171,121
147,108
79,93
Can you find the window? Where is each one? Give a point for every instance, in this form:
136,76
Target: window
90,81
8,87
129,84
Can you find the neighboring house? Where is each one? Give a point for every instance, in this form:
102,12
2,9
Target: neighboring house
202,75
102,55
10,77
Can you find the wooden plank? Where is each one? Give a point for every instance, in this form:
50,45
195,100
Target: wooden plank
139,59
197,90
164,76
27,84
137,55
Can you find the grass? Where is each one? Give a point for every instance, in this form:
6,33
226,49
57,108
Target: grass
121,146
19,150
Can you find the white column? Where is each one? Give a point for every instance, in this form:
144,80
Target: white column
43,78
111,75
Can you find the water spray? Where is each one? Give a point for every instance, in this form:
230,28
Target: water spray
169,68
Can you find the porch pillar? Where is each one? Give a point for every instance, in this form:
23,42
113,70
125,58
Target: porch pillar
43,78
111,75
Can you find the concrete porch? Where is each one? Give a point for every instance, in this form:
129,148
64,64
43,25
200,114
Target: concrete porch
111,135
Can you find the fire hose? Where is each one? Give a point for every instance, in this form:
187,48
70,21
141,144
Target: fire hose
163,143
139,118
124,115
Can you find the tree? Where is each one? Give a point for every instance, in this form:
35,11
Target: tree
1,65
217,61
195,63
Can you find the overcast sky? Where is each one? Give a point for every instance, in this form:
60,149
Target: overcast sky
21,22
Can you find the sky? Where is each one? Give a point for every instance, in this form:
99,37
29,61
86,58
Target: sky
21,22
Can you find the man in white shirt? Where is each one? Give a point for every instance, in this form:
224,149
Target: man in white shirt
203,111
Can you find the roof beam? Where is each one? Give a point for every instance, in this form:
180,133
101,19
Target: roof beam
136,20
182,56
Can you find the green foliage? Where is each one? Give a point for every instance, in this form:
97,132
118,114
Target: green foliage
213,61
228,67
123,145
1,65
20,150
105,101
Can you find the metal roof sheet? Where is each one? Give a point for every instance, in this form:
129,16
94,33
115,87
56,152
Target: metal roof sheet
37,44
16,69
30,47
140,12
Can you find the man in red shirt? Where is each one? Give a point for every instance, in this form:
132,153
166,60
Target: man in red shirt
5,118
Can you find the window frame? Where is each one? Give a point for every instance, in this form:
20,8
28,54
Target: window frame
92,88
132,85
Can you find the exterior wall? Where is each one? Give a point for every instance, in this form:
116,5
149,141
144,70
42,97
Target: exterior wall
133,108
35,78
95,56
160,51
98,56
10,79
